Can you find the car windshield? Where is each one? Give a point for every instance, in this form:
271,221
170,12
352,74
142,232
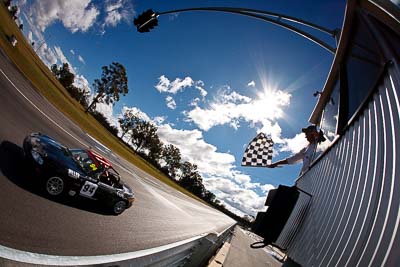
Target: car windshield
84,160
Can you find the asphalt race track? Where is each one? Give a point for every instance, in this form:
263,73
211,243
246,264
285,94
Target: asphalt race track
30,221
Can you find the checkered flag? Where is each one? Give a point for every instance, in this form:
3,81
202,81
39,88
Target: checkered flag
259,152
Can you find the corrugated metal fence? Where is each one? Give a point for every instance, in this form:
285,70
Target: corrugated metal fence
354,214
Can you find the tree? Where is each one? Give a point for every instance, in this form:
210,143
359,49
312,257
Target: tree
191,179
155,148
113,82
63,75
14,12
54,70
209,196
144,135
187,169
172,156
128,121
67,78
103,121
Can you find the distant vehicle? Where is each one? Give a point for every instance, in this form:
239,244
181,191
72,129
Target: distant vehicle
77,172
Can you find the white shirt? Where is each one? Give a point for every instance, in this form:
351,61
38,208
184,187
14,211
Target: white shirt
305,155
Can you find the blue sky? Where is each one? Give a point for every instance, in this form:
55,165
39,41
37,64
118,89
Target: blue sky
210,81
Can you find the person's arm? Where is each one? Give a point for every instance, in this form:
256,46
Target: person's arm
290,160
278,163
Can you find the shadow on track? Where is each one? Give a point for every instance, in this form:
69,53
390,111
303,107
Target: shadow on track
17,169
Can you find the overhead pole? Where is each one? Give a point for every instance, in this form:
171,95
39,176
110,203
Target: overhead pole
271,17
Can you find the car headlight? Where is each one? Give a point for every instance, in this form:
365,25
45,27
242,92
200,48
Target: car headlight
36,156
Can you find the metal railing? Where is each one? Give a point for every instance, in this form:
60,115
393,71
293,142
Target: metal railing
192,252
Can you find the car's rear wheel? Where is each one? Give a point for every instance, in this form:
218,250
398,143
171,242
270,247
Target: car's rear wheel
55,186
119,207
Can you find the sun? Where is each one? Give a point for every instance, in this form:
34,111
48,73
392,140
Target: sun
271,100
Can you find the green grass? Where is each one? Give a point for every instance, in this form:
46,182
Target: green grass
31,66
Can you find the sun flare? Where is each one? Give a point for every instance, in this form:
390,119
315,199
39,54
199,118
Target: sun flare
271,101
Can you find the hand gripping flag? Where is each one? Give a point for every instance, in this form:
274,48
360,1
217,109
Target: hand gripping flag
259,152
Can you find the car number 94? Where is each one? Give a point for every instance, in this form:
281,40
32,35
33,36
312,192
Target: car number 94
88,189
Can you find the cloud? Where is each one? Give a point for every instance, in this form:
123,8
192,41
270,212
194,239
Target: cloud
164,85
46,54
246,201
112,117
218,170
170,102
54,55
108,112
266,187
136,111
241,178
75,15
80,58
118,10
195,102
30,37
113,15
294,144
199,85
112,19
230,108
225,96
34,33
78,15
158,120
173,16
62,58
82,83
191,142
251,84
20,2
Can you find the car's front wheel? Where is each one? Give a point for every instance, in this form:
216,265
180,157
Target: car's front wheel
119,207
55,186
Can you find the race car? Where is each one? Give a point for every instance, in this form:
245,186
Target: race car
82,172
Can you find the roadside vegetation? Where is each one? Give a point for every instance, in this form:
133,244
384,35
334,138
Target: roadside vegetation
138,143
